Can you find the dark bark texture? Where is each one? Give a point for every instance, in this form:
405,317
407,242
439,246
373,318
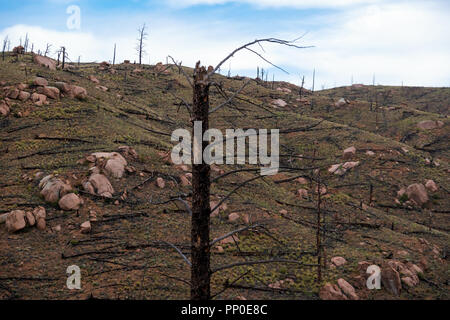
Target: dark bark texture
200,248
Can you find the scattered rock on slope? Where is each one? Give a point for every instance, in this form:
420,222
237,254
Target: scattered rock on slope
53,188
24,96
13,93
18,219
128,152
94,79
284,90
341,168
279,103
63,87
431,186
50,92
39,99
18,50
100,185
331,292
70,201
30,218
348,289
234,216
341,102
302,193
390,279
79,93
40,214
337,169
4,108
103,88
417,193
338,261
39,81
15,221
115,163
160,183
349,152
86,227
430,124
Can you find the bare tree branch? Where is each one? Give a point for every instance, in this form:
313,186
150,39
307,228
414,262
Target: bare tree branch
271,40
272,64
179,251
234,190
245,263
182,71
188,107
231,98
140,46
233,232
184,202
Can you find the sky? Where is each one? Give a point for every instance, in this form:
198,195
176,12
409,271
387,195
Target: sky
353,41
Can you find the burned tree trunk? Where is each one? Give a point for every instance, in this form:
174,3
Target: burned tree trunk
301,88
312,90
5,42
319,226
200,248
141,39
114,57
63,57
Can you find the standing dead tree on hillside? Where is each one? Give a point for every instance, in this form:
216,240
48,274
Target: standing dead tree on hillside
26,42
200,219
301,87
5,43
114,56
62,54
140,45
312,89
47,49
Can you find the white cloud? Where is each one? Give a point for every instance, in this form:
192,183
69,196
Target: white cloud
276,3
395,41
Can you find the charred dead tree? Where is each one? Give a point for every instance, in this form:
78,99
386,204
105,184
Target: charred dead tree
318,231
312,89
25,44
200,212
114,56
140,46
301,87
5,43
47,49
62,55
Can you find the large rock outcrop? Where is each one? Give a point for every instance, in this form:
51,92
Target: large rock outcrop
45,62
